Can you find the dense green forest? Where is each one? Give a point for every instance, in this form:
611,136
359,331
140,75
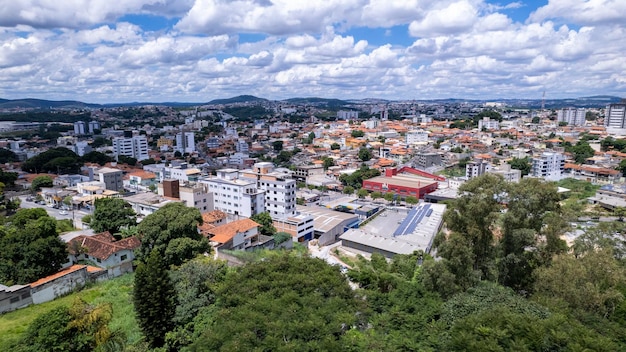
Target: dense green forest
503,280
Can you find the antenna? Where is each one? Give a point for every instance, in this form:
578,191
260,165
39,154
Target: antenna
543,101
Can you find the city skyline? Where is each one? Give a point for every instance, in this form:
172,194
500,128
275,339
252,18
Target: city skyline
189,51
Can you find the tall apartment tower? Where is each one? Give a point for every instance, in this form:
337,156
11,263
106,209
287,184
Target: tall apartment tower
185,142
79,127
615,116
134,147
93,125
234,195
572,116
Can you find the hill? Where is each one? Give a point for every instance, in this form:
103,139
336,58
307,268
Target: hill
237,99
43,104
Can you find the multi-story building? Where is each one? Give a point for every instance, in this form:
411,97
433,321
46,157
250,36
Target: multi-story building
81,148
572,116
488,124
417,136
615,116
134,147
280,189
426,160
347,115
233,195
79,127
242,146
477,168
112,178
185,142
549,166
194,196
93,126
303,172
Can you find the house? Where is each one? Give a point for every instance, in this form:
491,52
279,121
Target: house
107,253
239,234
211,220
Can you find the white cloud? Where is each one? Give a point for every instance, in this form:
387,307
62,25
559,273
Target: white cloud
454,18
583,12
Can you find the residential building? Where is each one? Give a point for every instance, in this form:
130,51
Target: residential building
280,189
241,146
509,174
134,147
347,115
615,116
572,116
14,297
549,165
235,196
417,136
301,173
185,142
238,234
426,160
93,126
299,226
81,148
196,197
112,178
488,124
477,168
105,252
79,127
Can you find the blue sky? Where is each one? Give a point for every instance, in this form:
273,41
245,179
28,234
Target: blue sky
198,50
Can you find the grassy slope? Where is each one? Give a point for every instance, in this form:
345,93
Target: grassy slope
117,291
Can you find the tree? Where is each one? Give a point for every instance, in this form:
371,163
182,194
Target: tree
154,298
31,248
265,220
536,119
389,196
348,190
173,221
123,159
411,200
357,133
582,151
522,164
376,195
277,305
277,145
590,283
41,181
53,160
7,156
365,154
622,166
96,157
335,146
112,214
362,193
328,162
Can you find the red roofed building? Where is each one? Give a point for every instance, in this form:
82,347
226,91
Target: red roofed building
105,252
404,182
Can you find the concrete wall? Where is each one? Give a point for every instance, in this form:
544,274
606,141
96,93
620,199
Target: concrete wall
60,286
14,297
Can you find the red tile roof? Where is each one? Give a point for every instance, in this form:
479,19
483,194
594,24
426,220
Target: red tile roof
102,245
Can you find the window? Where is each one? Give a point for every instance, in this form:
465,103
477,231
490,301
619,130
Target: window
122,258
15,299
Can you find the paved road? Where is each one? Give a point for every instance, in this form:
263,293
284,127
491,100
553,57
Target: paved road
75,215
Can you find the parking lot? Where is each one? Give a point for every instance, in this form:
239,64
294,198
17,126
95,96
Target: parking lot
384,224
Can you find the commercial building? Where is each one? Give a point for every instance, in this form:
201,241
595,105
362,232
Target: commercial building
299,226
426,160
572,116
403,182
328,224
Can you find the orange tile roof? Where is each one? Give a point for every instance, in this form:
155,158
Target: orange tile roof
103,245
144,175
600,170
59,274
226,232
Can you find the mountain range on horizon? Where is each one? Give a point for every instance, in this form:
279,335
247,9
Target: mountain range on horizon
42,104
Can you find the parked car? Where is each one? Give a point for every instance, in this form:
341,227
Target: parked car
63,212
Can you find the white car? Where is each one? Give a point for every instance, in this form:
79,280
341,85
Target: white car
63,212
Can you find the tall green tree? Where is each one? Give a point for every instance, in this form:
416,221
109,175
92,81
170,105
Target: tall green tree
267,225
112,214
172,231
41,181
522,164
31,248
365,154
154,298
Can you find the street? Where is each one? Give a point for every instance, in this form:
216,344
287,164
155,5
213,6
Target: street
58,214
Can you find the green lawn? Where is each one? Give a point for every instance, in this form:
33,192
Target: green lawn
117,291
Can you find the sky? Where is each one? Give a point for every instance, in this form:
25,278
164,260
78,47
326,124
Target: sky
104,51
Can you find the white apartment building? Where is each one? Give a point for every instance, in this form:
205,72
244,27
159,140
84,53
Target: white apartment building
197,197
93,125
615,116
233,195
134,147
477,168
488,124
549,166
347,115
82,148
416,136
280,189
241,146
185,142
571,116
79,127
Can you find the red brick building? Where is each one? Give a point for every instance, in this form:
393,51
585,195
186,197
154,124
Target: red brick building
404,182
